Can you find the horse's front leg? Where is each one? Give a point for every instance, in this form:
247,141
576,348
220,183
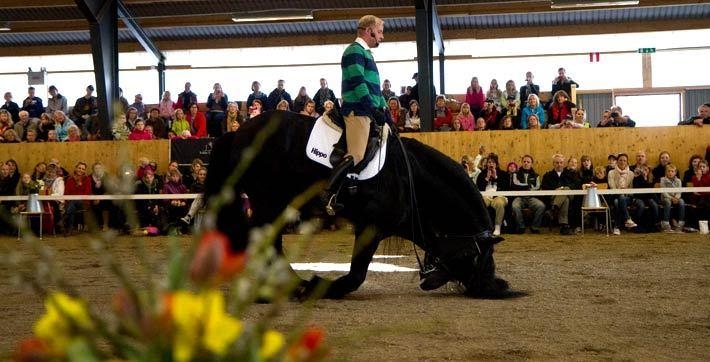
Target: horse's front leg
366,243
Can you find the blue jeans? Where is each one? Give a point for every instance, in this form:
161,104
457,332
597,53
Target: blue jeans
652,207
667,204
621,212
537,206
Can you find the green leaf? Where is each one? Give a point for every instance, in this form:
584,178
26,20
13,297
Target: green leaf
80,351
176,267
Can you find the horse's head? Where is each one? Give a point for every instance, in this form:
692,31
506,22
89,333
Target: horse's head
469,260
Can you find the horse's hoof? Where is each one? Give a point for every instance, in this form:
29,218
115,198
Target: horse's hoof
434,279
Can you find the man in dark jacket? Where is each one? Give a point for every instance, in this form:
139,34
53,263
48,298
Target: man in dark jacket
493,178
561,178
325,94
33,104
526,179
703,116
277,95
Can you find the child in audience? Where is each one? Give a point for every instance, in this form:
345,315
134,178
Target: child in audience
443,118
466,118
643,179
671,180
600,173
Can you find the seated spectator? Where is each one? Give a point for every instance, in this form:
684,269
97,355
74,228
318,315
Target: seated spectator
442,115
143,166
586,170
76,184
23,124
664,159
61,125
397,114
490,114
606,119
701,200
526,179
173,165
32,136
643,179
325,94
195,166
165,108
533,122
670,199
405,97
471,168
573,165
120,129
641,160
54,186
180,122
139,133
148,210
175,208
456,125
39,170
101,208
600,173
232,126
52,136
131,116
84,108
25,187
256,108
197,121
494,179
475,96
533,106
157,123
299,103
560,178
310,109
328,106
5,122
46,122
413,122
197,187
138,105
283,105
580,118
693,164
481,124
703,116
621,177
611,162
617,119
10,136
74,134
465,118
494,93
560,109
13,173
233,114
507,122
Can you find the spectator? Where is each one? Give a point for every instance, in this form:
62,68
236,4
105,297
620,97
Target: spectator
101,208
475,96
256,108
560,108
533,122
39,170
405,97
32,136
232,126
456,125
24,124
600,173
670,199
532,106
580,118
197,187
46,122
78,184
52,136
139,133
300,101
414,92
61,125
11,107
58,102
494,179
494,93
217,103
643,179
165,108
138,105
329,106
506,124
180,122
195,166
186,98
198,122
481,124
664,159
5,121
73,134
621,177
701,200
606,119
13,173
310,109
468,123
617,119
471,170
560,178
641,160
120,129
526,179
611,162
413,122
325,94
703,116
387,92
398,115
148,210
510,99
85,107
54,186
277,95
256,94
175,208
442,115
173,165
233,114
530,88
157,123
490,114
586,170
122,100
131,117
563,82
693,164
10,136
573,165
283,105
33,104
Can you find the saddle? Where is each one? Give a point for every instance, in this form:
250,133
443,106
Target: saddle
340,147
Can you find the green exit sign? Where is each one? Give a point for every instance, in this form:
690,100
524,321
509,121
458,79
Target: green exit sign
646,50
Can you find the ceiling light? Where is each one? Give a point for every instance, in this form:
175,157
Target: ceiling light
571,4
272,15
5,26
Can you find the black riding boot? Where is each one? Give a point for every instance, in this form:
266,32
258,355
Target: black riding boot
336,178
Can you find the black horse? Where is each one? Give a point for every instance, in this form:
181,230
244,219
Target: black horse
438,208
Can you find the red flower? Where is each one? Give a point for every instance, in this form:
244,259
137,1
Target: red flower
312,338
32,350
214,261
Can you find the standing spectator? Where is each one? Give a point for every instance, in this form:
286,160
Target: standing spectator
621,177
58,102
61,125
216,107
413,122
198,122
138,105
468,122
24,124
560,178
33,104
277,95
165,107
670,199
157,123
406,95
563,82
532,106
256,94
387,92
11,107
494,92
442,115
85,107
76,184
664,159
300,101
560,108
186,98
494,179
703,116
325,94
617,119
529,88
701,199
397,114
414,92
122,100
643,179
526,179
475,96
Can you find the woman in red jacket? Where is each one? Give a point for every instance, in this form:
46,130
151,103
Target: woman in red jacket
78,184
198,122
560,108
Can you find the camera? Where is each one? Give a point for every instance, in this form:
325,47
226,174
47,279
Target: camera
614,114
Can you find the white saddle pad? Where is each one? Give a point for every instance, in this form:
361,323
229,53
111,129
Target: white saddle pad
325,134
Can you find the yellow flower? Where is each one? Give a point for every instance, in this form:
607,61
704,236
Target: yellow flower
202,314
64,315
273,341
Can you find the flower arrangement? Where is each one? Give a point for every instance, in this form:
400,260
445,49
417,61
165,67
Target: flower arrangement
35,186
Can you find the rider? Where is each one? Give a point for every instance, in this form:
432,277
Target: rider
362,98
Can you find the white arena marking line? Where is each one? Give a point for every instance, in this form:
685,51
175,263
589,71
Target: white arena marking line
326,267
387,256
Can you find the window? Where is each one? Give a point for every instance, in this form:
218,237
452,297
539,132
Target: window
651,110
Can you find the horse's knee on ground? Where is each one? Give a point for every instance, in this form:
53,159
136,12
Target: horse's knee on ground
344,285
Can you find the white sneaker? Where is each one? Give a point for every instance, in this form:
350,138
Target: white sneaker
616,231
630,224
665,226
679,226
496,231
